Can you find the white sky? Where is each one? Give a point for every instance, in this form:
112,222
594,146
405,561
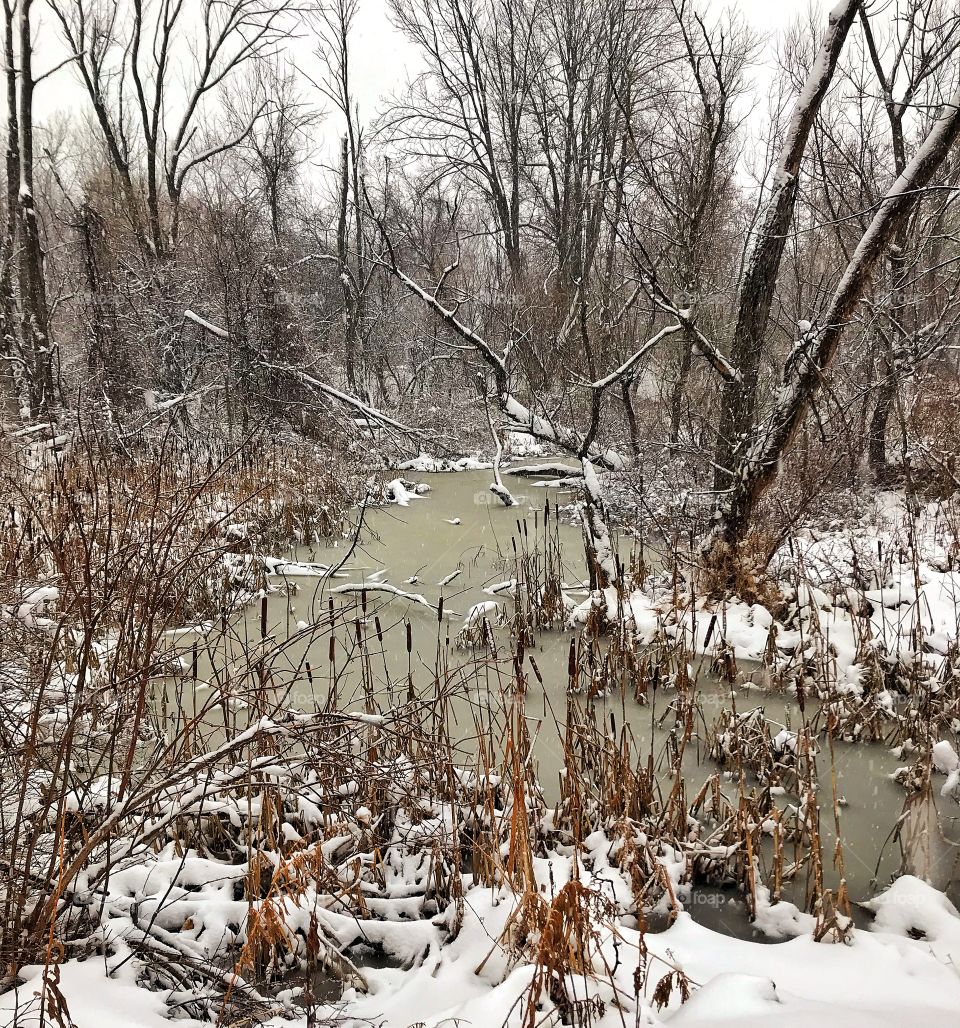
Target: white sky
382,60
381,56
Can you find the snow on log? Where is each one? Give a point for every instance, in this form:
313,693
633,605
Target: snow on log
369,413
603,570
497,487
397,492
489,609
503,494
555,470
207,326
389,590
566,438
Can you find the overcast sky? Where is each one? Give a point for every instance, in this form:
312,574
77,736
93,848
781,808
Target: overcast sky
382,59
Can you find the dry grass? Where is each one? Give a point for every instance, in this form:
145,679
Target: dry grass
379,782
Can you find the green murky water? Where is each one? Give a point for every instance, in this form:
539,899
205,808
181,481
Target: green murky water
458,529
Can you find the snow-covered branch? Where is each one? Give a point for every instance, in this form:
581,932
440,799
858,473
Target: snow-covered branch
207,326
758,467
566,438
539,427
627,369
345,398
390,590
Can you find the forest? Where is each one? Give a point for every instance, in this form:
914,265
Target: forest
479,552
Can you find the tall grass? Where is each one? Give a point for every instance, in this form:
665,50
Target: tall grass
334,795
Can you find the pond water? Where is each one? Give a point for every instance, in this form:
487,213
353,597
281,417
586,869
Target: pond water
458,528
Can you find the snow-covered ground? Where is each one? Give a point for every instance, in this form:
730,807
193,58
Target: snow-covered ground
903,972
882,593
889,586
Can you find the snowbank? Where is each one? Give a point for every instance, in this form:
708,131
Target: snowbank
886,976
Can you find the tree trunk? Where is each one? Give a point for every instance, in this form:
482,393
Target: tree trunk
680,386
625,388
12,372
601,563
763,267
349,306
760,461
34,314
107,357
877,432
891,347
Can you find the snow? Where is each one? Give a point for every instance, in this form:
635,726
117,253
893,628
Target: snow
781,920
300,569
207,326
946,761
93,998
522,444
529,443
399,492
504,494
847,594
913,910
945,758
839,586
553,469
595,523
731,997
886,976
486,609
425,463
387,589
31,604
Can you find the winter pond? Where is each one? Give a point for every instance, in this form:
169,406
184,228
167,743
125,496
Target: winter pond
455,541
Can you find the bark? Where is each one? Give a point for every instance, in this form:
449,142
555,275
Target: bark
350,313
626,387
757,469
9,317
877,431
107,356
37,347
763,266
601,562
886,389
680,386
497,487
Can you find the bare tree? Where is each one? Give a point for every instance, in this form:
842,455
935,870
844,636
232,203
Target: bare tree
131,59
923,39
13,370
279,141
690,170
757,468
28,344
335,23
467,108
763,266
